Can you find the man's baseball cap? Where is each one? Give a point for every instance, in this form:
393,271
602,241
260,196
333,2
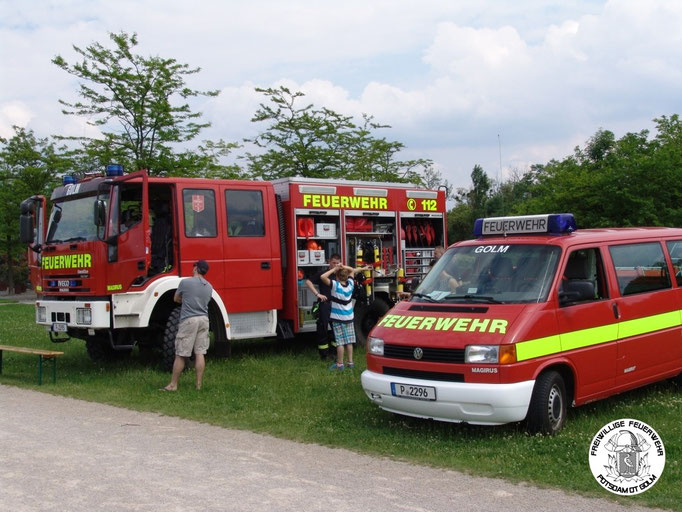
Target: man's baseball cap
202,266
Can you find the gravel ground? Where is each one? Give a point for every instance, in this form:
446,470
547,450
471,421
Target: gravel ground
63,454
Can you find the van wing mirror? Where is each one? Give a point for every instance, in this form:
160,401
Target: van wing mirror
412,284
576,291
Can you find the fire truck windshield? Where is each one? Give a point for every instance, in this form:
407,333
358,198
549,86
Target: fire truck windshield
72,221
493,273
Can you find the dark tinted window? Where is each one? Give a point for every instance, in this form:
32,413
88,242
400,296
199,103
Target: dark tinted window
640,267
675,251
245,213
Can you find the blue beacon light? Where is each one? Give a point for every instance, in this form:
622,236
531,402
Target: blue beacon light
114,170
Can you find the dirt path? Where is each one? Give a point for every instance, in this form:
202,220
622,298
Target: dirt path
62,454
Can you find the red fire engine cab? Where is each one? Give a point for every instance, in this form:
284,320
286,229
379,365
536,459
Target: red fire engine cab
107,260
531,316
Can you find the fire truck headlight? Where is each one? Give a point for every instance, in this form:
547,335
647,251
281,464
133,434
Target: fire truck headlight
41,314
84,316
482,354
375,346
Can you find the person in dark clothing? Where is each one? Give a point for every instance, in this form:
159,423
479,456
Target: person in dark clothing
323,293
162,239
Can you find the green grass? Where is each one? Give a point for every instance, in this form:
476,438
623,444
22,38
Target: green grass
282,389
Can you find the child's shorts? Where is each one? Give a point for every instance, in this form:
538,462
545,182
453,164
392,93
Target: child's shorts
344,333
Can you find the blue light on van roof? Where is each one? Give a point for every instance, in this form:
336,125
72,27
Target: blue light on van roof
114,170
549,224
69,180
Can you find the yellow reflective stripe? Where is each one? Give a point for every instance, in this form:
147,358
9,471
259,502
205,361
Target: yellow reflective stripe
588,337
648,324
596,335
537,348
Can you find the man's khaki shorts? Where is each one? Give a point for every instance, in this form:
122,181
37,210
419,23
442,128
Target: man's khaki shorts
192,336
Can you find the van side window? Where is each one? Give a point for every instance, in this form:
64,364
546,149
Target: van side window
584,278
199,212
675,251
640,267
245,216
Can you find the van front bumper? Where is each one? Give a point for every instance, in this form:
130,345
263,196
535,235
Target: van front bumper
478,404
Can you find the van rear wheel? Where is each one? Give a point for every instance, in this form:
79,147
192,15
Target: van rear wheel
547,410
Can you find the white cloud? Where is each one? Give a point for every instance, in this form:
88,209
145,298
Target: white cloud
14,113
449,77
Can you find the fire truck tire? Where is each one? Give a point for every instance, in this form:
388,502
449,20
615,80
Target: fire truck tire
99,349
168,341
366,317
547,410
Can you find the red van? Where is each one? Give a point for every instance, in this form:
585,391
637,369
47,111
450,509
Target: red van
531,316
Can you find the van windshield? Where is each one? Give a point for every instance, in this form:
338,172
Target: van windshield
489,273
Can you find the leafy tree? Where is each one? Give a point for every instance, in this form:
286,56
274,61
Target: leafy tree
433,179
133,100
471,204
320,143
28,166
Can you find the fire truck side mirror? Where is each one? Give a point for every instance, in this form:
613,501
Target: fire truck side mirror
100,216
26,228
26,234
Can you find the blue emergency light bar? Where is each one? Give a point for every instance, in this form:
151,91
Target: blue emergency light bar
114,170
69,180
549,224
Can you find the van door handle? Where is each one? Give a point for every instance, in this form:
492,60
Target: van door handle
615,311
265,265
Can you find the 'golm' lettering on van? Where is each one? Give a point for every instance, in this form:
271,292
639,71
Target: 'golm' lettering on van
450,323
64,261
491,248
353,202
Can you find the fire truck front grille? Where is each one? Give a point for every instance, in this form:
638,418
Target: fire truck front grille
432,355
418,374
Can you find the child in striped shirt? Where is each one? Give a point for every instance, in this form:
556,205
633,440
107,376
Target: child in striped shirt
342,311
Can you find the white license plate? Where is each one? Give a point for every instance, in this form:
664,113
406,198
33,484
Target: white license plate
412,391
59,327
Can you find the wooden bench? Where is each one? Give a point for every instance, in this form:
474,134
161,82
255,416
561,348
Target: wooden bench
43,355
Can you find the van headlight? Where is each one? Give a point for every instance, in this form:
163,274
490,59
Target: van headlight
41,314
375,346
490,354
482,354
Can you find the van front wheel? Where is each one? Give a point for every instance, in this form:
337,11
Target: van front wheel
547,410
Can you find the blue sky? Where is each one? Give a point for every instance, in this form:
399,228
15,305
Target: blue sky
457,80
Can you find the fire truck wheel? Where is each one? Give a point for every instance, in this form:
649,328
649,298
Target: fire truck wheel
547,410
366,317
168,341
99,349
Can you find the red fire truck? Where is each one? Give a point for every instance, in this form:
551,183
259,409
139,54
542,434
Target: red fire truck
107,260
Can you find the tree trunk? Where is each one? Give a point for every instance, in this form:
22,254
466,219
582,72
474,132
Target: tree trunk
10,267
